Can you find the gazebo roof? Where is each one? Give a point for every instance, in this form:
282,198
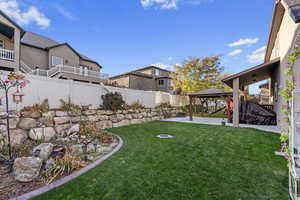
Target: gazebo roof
210,93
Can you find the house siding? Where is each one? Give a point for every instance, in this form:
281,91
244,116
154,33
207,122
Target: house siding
70,58
92,66
141,83
283,45
34,57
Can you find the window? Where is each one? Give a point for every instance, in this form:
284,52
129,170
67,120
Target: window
57,61
156,72
1,44
160,82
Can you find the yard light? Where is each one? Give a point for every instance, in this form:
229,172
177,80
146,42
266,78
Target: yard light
294,6
18,97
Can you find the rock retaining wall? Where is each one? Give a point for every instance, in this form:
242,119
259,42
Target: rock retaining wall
54,124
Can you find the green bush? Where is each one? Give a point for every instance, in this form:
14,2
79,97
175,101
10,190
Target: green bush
112,101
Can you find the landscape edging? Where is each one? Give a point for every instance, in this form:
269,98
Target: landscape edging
70,177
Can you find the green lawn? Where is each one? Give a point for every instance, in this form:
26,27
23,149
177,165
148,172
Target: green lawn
200,162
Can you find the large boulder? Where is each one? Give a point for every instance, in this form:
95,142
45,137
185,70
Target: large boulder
13,122
26,169
49,114
136,121
90,112
61,120
45,134
27,123
18,137
104,124
43,151
124,122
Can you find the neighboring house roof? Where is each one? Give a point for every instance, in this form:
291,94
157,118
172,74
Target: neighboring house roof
138,73
212,92
151,66
11,21
277,18
45,43
135,73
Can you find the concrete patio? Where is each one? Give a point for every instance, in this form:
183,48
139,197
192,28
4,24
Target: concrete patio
218,121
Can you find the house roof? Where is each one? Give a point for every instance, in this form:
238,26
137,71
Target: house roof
212,92
278,13
254,74
45,43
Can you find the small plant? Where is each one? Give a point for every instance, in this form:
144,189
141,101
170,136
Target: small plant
88,129
112,101
43,107
164,105
63,166
135,106
106,138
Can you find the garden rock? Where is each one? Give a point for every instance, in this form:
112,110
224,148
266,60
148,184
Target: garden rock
90,147
74,129
18,137
27,123
45,134
90,112
49,114
62,129
61,114
43,151
104,124
49,163
26,169
61,120
47,121
77,148
13,122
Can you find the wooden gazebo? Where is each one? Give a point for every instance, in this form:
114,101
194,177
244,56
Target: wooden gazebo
210,93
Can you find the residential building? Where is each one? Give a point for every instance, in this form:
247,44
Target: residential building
31,53
147,78
284,29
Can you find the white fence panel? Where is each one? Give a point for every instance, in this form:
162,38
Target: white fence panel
41,88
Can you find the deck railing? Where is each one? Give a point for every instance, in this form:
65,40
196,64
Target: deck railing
7,54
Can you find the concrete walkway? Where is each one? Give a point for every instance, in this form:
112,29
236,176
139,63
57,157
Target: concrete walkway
217,121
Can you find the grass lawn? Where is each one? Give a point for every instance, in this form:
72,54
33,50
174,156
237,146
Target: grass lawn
200,162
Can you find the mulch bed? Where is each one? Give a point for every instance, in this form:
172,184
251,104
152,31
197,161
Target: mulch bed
10,188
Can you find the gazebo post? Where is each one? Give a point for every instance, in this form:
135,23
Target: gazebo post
191,108
236,102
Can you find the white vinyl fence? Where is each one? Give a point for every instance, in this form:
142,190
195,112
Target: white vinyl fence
41,88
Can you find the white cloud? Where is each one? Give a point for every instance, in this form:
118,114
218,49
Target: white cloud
235,52
258,55
23,18
164,4
246,41
170,4
163,66
64,12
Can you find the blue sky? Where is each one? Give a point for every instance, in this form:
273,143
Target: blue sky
123,35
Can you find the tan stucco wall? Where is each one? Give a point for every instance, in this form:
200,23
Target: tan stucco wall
152,71
34,57
283,44
147,71
122,81
70,57
141,83
90,65
8,43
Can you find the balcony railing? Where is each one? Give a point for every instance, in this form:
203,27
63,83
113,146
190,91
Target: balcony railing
7,54
71,70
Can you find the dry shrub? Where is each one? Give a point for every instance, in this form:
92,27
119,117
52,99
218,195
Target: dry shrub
88,129
135,106
63,166
68,106
43,107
